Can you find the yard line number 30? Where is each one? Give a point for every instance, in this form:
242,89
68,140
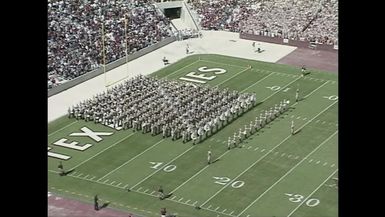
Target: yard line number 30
296,198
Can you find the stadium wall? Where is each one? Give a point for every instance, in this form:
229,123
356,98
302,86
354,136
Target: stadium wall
277,40
110,66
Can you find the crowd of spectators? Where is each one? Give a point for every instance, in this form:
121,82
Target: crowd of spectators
75,33
310,20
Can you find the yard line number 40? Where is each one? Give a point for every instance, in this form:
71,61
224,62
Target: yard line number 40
168,168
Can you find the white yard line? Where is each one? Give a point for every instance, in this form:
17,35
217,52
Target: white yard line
257,82
183,68
287,173
209,61
266,154
63,128
102,151
197,173
268,71
227,151
233,76
275,92
131,159
312,193
161,167
315,89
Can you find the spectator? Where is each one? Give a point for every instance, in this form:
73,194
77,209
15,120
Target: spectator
74,32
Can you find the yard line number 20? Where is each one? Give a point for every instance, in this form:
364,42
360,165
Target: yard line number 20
225,180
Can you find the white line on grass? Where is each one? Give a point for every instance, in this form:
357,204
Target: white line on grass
267,154
275,92
209,61
183,68
102,151
287,173
162,167
63,128
315,90
312,193
257,82
197,173
131,159
233,76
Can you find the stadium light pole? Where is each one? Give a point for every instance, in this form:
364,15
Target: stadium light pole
104,57
125,35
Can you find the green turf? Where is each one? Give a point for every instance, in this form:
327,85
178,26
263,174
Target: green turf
252,180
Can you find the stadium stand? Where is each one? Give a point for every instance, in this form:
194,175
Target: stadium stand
74,33
311,20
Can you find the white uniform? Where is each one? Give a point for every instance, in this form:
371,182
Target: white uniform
209,157
292,127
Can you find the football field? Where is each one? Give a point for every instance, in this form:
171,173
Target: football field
271,173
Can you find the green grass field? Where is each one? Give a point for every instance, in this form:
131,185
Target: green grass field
274,173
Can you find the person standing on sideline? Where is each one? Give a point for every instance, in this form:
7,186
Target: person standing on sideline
296,95
292,127
229,141
61,169
209,157
161,193
96,203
